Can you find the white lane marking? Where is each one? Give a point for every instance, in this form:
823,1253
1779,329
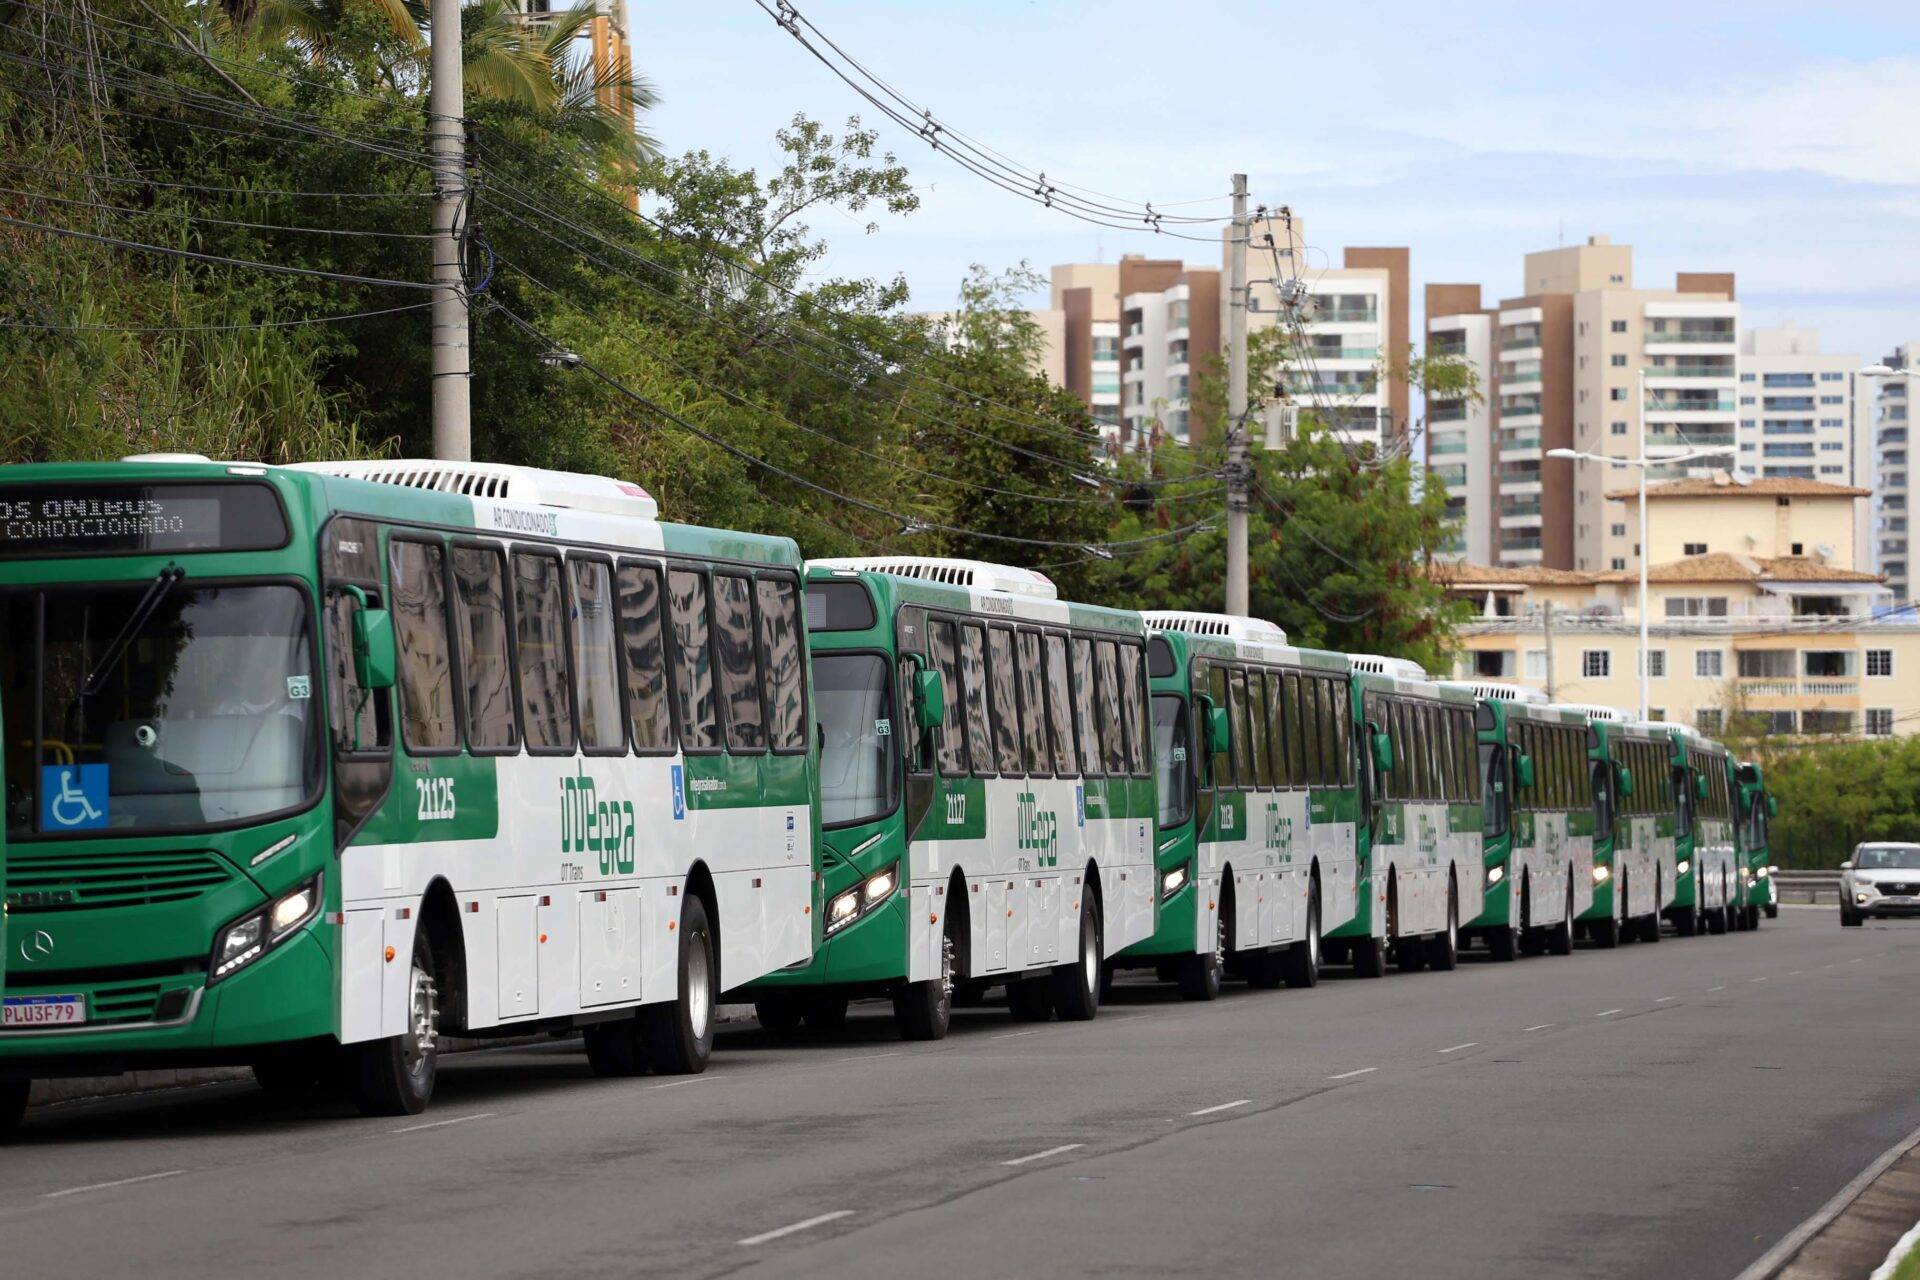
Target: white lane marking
1015,1035
1348,1075
1856,960
1713,989
1540,1026
1224,1106
1770,1262
1457,1048
1042,1155
863,1057
1661,999
675,1084
118,1182
791,1227
1606,1013
1794,973
1756,979
441,1124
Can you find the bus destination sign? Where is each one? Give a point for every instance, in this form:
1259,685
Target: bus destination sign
126,519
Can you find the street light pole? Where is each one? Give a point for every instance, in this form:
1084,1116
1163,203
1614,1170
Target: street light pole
1237,469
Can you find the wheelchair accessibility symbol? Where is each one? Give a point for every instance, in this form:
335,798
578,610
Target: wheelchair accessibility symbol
73,797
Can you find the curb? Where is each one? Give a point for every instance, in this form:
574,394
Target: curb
1852,1233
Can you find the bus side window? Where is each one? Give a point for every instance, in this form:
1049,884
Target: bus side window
649,713
692,660
945,645
480,625
739,663
1003,702
428,724
540,649
1343,743
1303,704
1033,703
596,664
1237,717
1060,707
973,668
1133,708
1113,734
1280,728
1259,716
1085,694
780,665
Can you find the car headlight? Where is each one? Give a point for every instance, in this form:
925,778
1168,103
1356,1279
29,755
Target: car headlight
258,932
1495,876
1602,874
1682,867
1172,882
850,905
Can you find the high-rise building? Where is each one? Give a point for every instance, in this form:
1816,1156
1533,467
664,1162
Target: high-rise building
1803,417
1893,490
1460,427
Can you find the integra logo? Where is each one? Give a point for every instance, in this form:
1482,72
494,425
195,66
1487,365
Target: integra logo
589,824
1038,831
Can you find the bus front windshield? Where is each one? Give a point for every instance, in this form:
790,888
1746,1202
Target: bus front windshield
859,758
1172,752
163,707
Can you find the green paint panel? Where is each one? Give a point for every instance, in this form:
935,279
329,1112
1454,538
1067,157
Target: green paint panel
958,811
442,798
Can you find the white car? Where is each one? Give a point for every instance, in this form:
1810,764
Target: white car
1881,879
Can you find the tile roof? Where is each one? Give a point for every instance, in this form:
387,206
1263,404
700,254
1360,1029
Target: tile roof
1721,566
1467,573
1719,486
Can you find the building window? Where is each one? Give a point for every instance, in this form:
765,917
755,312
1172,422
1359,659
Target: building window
1619,428
1778,721
1619,326
1697,607
1619,360
1656,664
1618,279
1746,377
1656,713
1700,549
1618,530
1709,664
1596,664
1879,722
1709,719
1536,664
1832,377
1618,563
1616,393
1879,662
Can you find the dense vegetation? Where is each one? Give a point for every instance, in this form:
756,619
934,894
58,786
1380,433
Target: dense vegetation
720,363
1834,795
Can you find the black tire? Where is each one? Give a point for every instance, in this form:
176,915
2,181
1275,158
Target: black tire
1610,933
1560,936
13,1106
924,1010
614,1051
1301,966
394,1076
1717,921
781,1014
1410,954
825,1012
1686,920
1031,999
1369,957
1503,944
294,1077
1198,977
1753,919
1265,969
678,1033
1771,910
1443,948
1849,916
1076,985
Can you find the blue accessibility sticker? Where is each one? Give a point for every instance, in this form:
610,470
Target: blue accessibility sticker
73,797
679,792
1080,803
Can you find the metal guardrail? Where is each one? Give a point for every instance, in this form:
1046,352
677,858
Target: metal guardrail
1808,886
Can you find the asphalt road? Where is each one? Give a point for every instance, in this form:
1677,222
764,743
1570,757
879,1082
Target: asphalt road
1663,1110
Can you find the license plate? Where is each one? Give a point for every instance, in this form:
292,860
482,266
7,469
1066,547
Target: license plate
42,1011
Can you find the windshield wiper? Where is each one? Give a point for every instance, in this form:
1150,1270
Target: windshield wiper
149,603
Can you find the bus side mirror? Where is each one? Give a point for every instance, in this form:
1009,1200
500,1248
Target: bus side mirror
1700,787
1382,752
1219,732
1626,781
373,655
929,698
1523,771
1773,807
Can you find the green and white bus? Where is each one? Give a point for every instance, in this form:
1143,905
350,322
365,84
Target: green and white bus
1256,853
310,767
1632,779
1422,869
1755,815
987,794
1704,872
1537,821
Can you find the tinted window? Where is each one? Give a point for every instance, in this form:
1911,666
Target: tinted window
1242,736
780,665
1085,694
1259,714
1033,704
1159,658
1003,701
973,668
739,662
420,637
1060,707
480,622
1112,733
596,669
838,606
643,638
1221,774
692,661
540,647
946,660
1132,708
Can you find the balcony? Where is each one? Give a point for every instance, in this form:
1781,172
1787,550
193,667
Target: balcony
1723,372
1446,349
1346,315
1447,411
1520,342
1452,444
1654,336
1691,406
1769,687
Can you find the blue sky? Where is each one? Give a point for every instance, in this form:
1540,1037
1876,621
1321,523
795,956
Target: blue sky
1780,141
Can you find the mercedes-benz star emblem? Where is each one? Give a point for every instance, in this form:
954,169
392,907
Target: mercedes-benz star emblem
36,946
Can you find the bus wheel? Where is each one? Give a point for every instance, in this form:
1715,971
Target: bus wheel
292,1077
779,1014
1753,919
394,1076
1302,967
13,1106
1560,936
678,1033
1772,910
1443,948
924,1010
1199,976
1076,986
1369,957
613,1048
1717,921
826,1013
1030,999
1686,921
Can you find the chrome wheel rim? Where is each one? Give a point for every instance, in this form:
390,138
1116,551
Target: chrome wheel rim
1313,933
421,1038
1089,954
699,992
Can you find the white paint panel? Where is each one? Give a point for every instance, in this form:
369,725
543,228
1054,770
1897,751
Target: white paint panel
518,955
610,941
362,948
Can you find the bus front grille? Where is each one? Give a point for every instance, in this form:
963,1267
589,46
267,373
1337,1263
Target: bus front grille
57,881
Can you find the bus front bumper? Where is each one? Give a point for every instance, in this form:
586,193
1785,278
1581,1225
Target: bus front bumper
1178,931
870,952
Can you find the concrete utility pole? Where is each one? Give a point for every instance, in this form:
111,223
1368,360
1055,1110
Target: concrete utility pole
1546,634
446,145
1237,469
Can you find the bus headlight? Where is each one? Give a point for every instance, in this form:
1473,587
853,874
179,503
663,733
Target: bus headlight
1495,876
1763,872
1682,867
1602,874
850,905
258,932
1173,881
